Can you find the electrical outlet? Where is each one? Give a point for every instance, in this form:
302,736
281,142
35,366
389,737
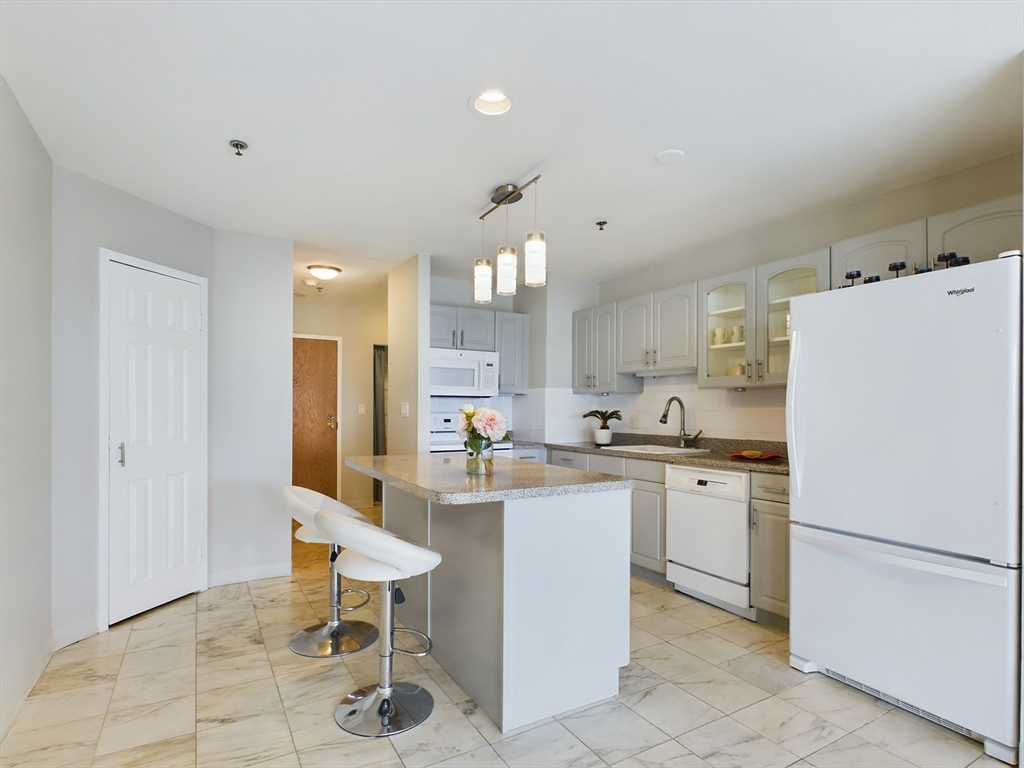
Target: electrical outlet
634,422
405,410
362,409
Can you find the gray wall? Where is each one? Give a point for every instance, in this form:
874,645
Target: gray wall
25,304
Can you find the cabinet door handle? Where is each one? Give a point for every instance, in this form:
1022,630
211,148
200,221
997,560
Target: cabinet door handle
462,338
121,460
760,375
655,357
645,357
775,488
749,372
454,343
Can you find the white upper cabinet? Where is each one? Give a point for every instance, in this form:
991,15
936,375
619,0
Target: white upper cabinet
444,322
593,354
634,321
981,232
582,343
725,336
872,254
675,330
511,340
777,283
657,333
476,329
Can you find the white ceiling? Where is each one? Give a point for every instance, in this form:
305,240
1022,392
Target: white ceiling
362,143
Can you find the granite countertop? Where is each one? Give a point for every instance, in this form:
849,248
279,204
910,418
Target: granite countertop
442,478
717,459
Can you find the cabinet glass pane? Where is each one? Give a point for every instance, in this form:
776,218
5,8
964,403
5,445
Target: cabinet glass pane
781,288
727,323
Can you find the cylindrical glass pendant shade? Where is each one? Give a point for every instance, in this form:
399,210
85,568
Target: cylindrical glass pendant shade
508,262
482,281
536,259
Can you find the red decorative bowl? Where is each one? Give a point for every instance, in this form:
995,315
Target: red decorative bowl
755,455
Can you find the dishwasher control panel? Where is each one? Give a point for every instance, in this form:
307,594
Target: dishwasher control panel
710,482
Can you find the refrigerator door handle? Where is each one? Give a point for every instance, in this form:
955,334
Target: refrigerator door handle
794,454
831,541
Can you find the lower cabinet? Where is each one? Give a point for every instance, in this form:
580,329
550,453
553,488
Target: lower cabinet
769,556
570,459
647,544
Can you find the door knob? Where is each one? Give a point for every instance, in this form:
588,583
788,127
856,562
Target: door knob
331,423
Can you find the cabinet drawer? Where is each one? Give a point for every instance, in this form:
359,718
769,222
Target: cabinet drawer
536,455
641,469
570,459
610,465
768,486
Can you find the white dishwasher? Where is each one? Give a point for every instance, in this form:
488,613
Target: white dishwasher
707,537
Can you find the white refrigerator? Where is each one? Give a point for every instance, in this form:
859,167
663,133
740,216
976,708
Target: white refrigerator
904,429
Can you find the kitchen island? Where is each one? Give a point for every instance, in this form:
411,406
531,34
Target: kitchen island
529,608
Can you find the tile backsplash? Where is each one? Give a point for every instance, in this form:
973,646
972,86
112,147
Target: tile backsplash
554,415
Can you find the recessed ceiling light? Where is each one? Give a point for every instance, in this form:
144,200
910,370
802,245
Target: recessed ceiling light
493,101
670,156
323,271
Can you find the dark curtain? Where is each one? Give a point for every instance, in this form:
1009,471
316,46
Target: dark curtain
380,400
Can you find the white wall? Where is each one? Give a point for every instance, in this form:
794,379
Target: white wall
250,407
409,356
455,292
359,329
87,216
978,184
25,304
249,374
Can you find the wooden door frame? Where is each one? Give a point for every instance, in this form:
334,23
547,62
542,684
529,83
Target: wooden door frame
337,407
104,447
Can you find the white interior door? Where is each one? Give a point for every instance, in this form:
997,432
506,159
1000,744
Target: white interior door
157,515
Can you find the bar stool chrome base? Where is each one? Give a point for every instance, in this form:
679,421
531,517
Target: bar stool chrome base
374,713
324,641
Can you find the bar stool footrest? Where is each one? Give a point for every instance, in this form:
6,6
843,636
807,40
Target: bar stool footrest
428,644
356,607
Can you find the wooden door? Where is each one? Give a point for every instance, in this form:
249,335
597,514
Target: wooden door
314,415
158,462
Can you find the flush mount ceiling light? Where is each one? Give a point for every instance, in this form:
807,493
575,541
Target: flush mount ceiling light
669,156
508,258
493,101
324,271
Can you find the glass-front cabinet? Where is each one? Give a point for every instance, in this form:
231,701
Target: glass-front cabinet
744,319
724,336
777,283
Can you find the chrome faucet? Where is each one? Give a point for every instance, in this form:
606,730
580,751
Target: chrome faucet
683,437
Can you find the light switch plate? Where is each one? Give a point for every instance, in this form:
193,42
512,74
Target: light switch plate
405,410
634,422
362,409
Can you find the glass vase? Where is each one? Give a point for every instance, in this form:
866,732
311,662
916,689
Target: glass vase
479,457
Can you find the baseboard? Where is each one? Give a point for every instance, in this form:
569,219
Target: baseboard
9,713
254,573
66,634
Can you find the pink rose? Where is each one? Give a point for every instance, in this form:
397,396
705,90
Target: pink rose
490,424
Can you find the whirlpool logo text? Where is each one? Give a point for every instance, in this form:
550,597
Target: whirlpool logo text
960,291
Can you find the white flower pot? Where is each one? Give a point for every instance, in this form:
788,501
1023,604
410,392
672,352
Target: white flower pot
602,437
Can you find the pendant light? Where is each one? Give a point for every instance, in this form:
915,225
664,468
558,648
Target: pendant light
536,251
482,275
507,265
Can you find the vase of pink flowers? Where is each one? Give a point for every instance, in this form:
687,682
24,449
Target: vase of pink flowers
481,428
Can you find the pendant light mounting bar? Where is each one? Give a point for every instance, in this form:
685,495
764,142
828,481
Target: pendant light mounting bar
502,202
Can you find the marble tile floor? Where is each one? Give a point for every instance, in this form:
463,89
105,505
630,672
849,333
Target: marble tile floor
208,681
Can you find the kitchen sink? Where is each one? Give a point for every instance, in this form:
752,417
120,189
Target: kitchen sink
664,450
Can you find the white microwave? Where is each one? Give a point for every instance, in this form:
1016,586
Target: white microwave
463,373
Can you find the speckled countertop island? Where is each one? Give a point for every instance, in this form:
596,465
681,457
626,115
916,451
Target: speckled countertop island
442,478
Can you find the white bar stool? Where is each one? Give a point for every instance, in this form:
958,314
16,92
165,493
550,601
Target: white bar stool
373,554
335,638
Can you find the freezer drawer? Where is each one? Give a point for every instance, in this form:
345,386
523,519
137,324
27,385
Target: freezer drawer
936,632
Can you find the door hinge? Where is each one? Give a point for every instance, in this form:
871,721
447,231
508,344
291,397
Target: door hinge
202,554
202,322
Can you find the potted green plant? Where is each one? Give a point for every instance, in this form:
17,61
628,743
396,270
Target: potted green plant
603,434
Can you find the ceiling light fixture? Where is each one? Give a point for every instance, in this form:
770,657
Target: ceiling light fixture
238,146
324,271
508,264
536,251
482,273
493,101
669,156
